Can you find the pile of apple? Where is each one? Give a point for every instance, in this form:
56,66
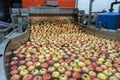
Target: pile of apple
60,50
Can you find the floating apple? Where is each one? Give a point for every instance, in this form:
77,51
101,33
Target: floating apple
63,77
15,77
117,75
55,74
61,69
86,77
107,72
35,72
13,72
81,64
56,65
22,67
43,71
92,74
113,78
46,76
73,64
68,73
28,77
23,72
101,76
30,68
76,75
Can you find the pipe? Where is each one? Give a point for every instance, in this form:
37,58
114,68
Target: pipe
112,4
90,12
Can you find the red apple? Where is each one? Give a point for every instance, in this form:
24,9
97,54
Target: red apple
13,67
61,60
68,73
76,75
99,69
21,62
46,76
28,77
15,77
44,65
50,62
68,61
13,72
85,69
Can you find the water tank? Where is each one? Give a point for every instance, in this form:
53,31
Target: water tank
108,20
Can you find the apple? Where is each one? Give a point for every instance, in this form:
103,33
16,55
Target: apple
61,60
117,75
30,68
104,67
29,63
76,75
76,60
21,67
91,67
61,69
64,64
51,69
56,65
23,72
76,69
63,77
73,64
92,74
50,62
113,78
107,72
13,62
81,64
43,71
37,64
108,64
55,58
35,72
28,77
46,76
68,73
55,74
68,61
69,68
37,78
71,57
15,77
85,77
99,69
14,58
87,62
44,65
85,69
13,67
21,62
13,72
113,70
101,76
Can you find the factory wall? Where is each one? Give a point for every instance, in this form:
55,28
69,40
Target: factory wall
62,3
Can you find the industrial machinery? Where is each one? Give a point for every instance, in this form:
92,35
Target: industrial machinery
108,20
33,12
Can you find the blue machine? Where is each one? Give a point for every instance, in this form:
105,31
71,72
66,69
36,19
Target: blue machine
108,20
